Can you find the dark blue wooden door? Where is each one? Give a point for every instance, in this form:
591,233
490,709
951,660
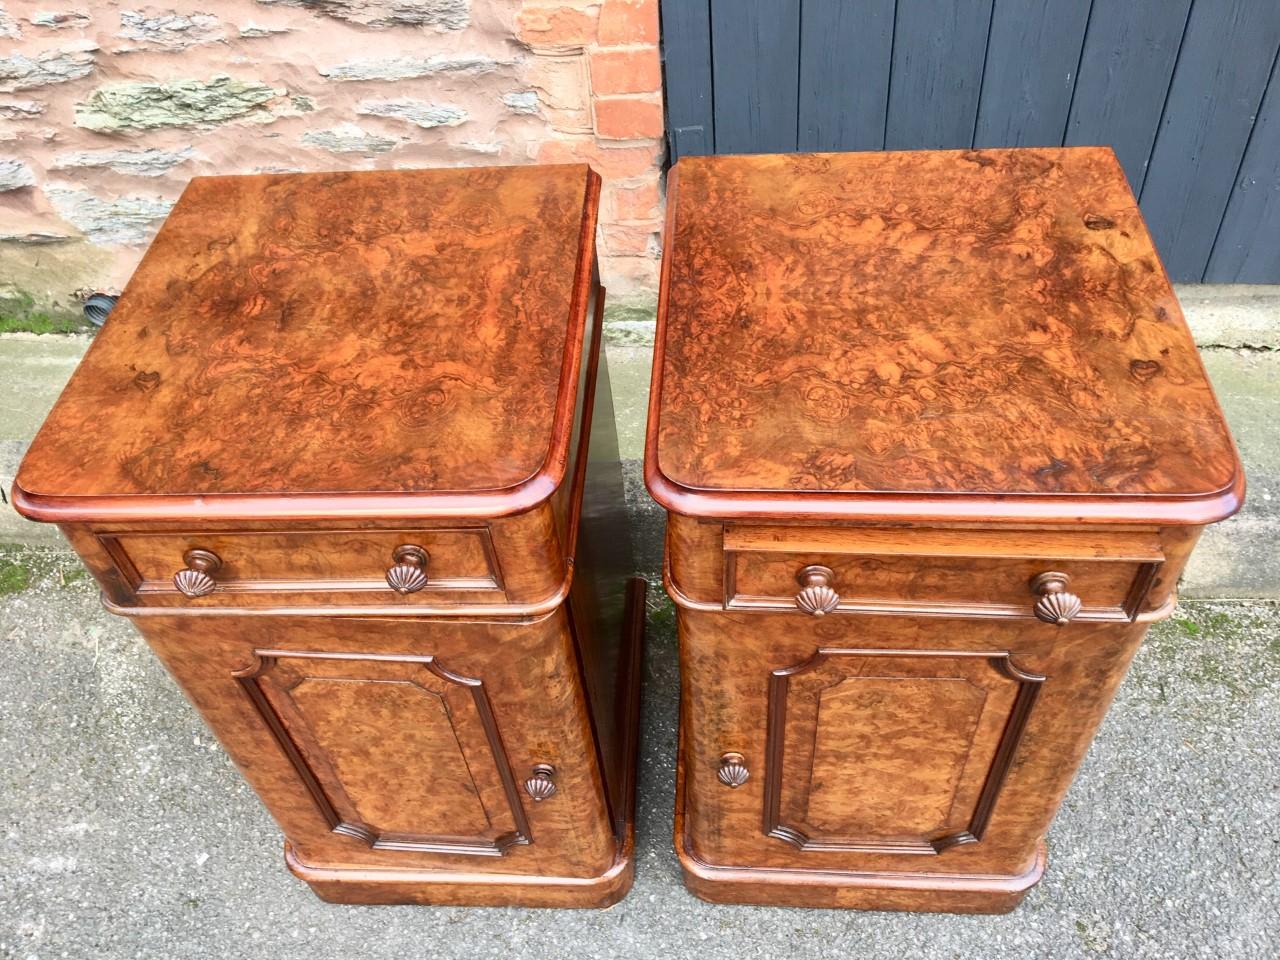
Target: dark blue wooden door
1185,91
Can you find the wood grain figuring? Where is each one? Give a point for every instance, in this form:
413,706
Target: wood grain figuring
914,335
925,728
365,513
337,337
935,446
884,724
354,721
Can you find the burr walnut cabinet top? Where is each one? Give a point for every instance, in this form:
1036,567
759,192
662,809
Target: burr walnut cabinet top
952,335
330,344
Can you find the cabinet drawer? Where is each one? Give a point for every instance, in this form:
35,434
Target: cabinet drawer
946,573
351,565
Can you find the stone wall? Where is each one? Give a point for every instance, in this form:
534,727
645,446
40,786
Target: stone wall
107,108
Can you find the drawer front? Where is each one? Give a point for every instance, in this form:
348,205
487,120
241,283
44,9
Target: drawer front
885,743
357,566
973,574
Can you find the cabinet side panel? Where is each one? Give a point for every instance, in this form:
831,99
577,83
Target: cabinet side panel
602,567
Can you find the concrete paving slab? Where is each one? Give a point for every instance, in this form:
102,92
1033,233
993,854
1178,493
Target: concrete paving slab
128,834
33,371
1238,558
629,369
1232,314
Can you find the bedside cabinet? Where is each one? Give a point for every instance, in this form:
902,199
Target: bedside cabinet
344,453
935,444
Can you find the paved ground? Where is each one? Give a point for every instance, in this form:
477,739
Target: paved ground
127,834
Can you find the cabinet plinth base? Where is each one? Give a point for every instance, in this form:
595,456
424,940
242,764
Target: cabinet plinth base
913,892
452,888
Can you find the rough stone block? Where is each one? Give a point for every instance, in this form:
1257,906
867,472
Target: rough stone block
408,68
348,138
417,112
139,163
9,28
20,72
14,175
522,101
173,103
58,19
123,220
252,29
20,109
381,14
169,30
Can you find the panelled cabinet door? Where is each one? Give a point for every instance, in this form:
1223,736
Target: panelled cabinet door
397,751
890,751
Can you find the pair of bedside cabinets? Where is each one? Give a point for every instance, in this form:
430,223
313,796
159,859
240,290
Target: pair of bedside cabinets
931,432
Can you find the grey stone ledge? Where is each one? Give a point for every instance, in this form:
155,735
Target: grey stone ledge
418,112
139,163
20,72
14,175
348,138
384,14
144,105
120,220
410,68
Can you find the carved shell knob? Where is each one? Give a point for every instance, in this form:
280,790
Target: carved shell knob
195,580
733,771
1055,605
542,784
816,596
409,575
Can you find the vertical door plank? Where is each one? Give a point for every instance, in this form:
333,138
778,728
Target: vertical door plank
1032,56
1125,72
938,51
686,45
845,52
1248,247
755,51
1222,71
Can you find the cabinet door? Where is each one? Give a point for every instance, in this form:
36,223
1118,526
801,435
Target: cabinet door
890,751
396,750
870,744
402,743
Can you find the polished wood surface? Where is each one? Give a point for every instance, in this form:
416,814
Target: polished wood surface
915,334
400,600
935,445
355,341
